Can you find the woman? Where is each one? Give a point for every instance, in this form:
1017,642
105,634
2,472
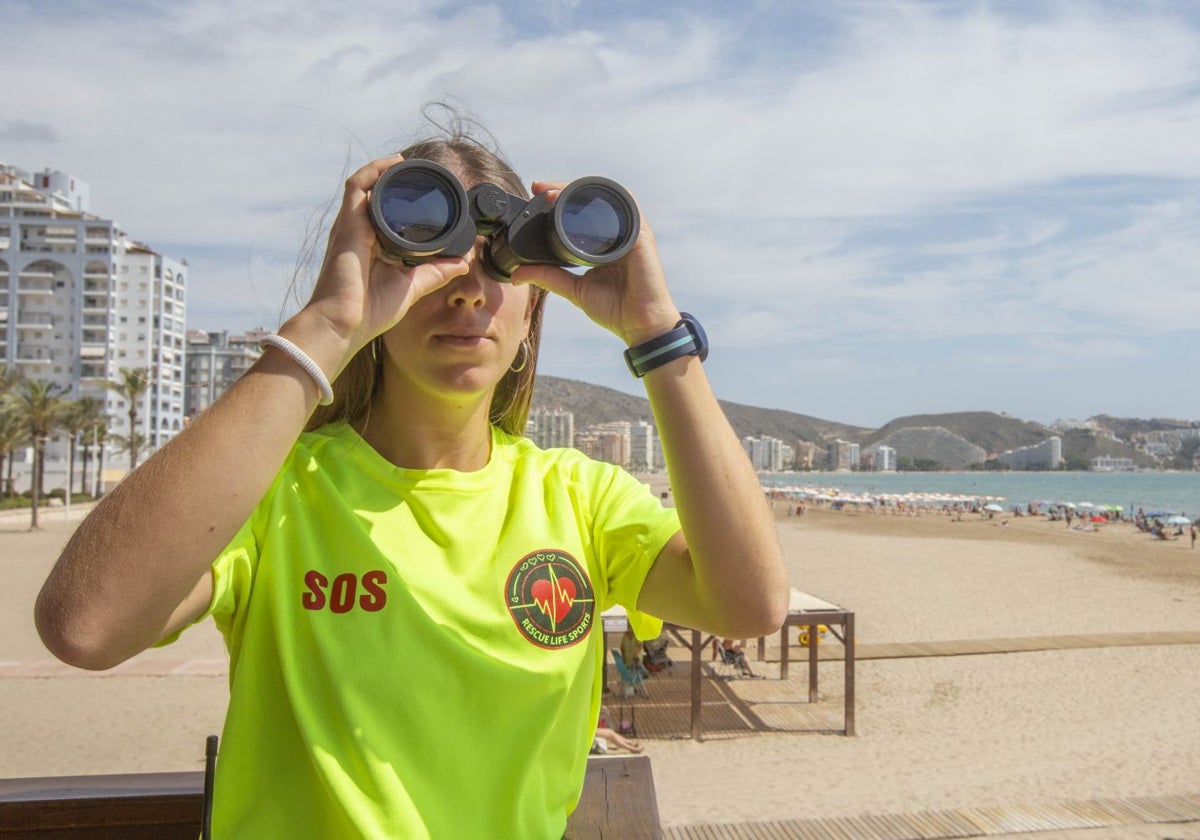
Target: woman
407,588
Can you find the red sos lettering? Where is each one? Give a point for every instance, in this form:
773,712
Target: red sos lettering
342,595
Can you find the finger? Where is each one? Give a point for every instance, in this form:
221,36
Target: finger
552,278
361,182
552,188
431,276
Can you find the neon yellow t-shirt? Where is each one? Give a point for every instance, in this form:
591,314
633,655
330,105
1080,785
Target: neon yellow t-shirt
415,653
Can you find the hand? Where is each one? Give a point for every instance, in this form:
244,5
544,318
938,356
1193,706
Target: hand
360,293
628,297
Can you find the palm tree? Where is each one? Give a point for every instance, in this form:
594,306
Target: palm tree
92,417
132,386
77,417
38,407
9,377
9,431
101,436
10,436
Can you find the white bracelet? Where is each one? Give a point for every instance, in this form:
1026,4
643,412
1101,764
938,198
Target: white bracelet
304,360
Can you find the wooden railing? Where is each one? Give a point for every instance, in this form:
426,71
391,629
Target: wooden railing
618,801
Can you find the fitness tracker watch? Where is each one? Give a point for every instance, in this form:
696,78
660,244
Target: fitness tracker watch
687,339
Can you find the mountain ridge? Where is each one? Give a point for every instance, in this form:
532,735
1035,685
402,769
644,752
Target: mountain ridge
990,431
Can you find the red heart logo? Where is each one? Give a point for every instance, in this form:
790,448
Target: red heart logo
553,597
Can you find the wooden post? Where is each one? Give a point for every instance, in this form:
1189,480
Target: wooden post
848,629
696,685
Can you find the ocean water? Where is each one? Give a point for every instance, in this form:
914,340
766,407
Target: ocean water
1155,492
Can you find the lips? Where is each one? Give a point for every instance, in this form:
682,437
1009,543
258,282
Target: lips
460,340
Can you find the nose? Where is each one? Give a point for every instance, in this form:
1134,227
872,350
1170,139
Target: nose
470,289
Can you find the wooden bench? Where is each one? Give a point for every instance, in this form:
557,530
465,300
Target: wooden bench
618,801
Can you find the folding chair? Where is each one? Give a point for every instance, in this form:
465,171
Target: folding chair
730,663
632,681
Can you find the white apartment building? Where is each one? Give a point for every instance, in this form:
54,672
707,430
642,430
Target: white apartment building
551,428
641,448
1046,455
765,453
215,360
79,300
885,459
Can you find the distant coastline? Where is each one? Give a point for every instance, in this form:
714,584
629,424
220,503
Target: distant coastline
1176,492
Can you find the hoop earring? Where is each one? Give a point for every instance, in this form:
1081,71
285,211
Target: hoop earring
525,356
376,348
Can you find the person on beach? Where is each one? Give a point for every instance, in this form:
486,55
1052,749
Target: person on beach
408,588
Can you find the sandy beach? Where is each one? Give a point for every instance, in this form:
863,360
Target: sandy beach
934,732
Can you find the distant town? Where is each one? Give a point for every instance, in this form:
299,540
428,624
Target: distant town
95,319
634,445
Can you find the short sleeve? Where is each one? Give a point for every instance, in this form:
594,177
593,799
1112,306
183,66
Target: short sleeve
630,529
232,573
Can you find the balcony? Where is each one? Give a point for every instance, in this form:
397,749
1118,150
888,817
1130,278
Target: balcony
34,288
92,350
34,320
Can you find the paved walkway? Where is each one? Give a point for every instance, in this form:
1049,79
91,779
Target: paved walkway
1113,817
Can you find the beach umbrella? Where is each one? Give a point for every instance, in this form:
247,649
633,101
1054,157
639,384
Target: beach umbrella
995,508
1086,505
1178,520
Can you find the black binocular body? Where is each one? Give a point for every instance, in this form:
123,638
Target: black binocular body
421,211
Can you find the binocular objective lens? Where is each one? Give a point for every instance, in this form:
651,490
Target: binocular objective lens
595,221
418,206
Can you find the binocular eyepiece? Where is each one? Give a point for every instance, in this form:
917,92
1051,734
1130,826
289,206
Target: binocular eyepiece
421,211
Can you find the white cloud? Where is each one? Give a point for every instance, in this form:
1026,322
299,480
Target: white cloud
861,175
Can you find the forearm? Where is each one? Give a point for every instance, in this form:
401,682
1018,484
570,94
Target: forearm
145,548
739,579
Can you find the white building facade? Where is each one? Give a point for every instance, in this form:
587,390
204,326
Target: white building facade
79,300
1046,455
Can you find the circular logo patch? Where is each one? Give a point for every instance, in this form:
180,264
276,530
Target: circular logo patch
550,598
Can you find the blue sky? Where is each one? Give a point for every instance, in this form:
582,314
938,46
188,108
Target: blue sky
876,208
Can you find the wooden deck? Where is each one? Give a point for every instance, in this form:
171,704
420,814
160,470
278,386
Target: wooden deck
1013,644
740,706
961,822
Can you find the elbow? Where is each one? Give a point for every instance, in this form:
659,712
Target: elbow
70,644
763,617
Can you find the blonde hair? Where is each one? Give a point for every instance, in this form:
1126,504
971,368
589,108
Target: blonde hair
359,383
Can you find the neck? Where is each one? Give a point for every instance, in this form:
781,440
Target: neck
421,432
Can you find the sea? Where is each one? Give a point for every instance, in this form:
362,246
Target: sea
1152,492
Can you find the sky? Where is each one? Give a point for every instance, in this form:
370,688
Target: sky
876,209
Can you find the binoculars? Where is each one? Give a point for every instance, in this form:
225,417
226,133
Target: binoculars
421,211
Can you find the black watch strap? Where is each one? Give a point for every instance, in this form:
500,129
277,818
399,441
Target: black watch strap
687,339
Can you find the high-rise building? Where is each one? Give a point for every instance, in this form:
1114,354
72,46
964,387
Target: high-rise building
641,447
79,300
765,453
885,459
843,455
1046,455
215,360
612,442
551,428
